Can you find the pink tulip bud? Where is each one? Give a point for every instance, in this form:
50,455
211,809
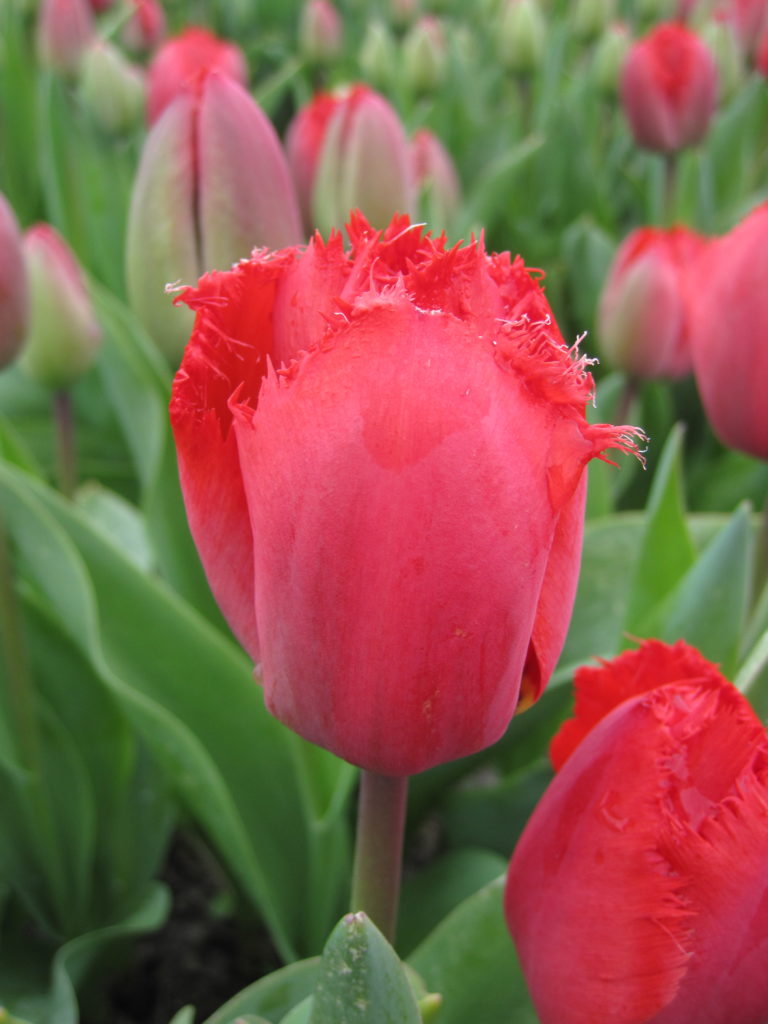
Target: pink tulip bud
435,177
64,334
146,27
111,88
320,31
669,88
348,150
749,21
182,63
64,29
643,316
425,55
14,303
212,184
729,334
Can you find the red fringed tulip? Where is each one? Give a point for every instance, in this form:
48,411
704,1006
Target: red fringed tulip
213,182
669,88
13,286
348,149
643,316
729,334
638,892
391,521
182,63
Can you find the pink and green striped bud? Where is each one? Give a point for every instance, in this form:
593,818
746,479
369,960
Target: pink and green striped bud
320,32
589,18
111,88
377,57
608,58
522,36
14,303
425,56
63,31
63,335
212,184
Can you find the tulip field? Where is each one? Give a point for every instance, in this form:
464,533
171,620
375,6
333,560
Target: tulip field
383,512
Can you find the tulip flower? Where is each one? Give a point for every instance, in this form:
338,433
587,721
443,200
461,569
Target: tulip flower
424,55
111,88
749,21
382,457
63,31
181,64
522,36
13,286
638,893
669,88
643,315
212,183
320,31
145,29
435,177
64,334
729,334
348,149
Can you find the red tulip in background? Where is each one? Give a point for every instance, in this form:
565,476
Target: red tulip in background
145,28
63,30
181,64
638,892
643,315
729,334
669,88
392,521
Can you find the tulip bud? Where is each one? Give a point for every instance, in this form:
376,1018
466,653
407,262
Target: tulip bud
320,32
63,335
403,12
729,334
522,36
608,58
349,151
377,54
435,177
589,18
749,20
729,58
424,56
64,29
669,88
181,64
212,184
14,303
111,88
643,315
145,29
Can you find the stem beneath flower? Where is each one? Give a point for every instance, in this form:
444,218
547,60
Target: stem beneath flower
379,849
64,426
670,188
626,398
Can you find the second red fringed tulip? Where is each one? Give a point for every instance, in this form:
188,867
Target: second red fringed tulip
638,892
643,315
669,88
729,334
392,521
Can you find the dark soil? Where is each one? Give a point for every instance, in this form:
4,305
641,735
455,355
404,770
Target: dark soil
200,957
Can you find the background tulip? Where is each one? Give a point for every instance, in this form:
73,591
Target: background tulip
13,286
729,334
320,31
643,317
669,88
361,494
638,892
64,29
145,28
111,88
435,177
212,183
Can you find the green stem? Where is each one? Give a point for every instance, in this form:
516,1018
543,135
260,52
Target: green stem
379,849
64,425
670,188
626,398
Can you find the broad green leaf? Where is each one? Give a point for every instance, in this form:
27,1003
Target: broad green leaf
470,960
186,1015
273,995
666,550
119,520
361,979
300,1014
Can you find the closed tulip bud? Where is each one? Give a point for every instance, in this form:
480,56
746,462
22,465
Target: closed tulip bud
669,88
378,54
111,88
638,891
212,184
589,18
721,40
392,521
403,12
749,20
729,334
64,30
644,311
351,152
181,64
14,303
435,177
608,58
320,32
64,334
145,29
424,56
522,36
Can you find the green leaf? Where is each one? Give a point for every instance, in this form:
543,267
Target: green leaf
273,995
470,960
186,1015
361,980
300,1014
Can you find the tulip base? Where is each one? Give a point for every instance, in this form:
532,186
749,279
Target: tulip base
379,849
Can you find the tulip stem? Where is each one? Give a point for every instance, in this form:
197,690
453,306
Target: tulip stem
670,188
379,849
64,426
